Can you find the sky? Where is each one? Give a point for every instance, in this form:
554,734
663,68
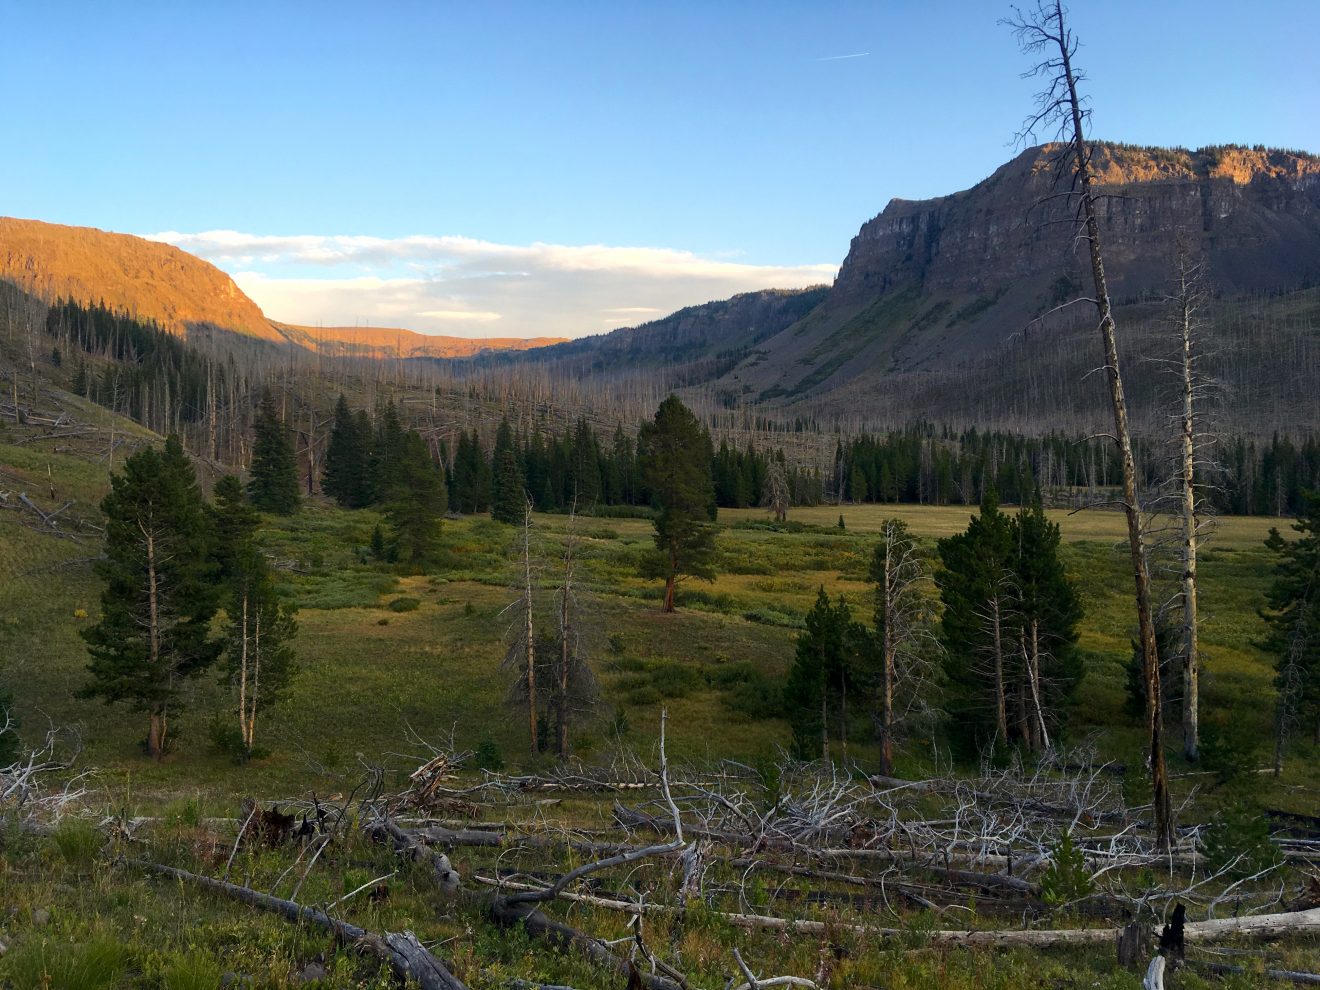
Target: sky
561,168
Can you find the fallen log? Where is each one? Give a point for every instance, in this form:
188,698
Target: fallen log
400,950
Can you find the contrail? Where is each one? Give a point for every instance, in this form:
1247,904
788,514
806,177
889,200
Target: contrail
835,58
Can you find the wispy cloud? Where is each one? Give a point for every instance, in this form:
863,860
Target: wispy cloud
836,58
450,283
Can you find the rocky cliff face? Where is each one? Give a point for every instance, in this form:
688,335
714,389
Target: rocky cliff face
926,284
1255,214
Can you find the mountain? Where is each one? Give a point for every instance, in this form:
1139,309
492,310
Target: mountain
949,280
140,277
383,342
185,294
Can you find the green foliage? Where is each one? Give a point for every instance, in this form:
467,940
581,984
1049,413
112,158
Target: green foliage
38,964
346,478
487,756
1067,878
159,593
1237,841
676,468
1009,626
824,669
405,605
10,743
416,503
273,485
1231,747
1292,616
190,971
508,495
79,842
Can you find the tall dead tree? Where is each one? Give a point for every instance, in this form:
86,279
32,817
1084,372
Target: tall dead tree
1188,298
1043,32
520,659
575,687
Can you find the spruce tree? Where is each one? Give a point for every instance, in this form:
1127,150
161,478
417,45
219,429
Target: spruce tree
1048,610
977,589
416,506
824,668
508,497
273,485
345,476
160,592
676,468
385,468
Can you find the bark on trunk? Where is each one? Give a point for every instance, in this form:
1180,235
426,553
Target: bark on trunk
1131,501
1191,657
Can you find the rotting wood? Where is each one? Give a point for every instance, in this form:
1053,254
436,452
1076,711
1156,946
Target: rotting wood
404,954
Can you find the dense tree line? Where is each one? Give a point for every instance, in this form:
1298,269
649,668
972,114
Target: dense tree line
151,375
928,465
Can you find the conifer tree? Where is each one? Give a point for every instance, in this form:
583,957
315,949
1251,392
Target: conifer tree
1048,613
1292,615
508,497
824,668
10,744
345,475
416,506
676,469
977,588
273,485
260,626
385,462
159,593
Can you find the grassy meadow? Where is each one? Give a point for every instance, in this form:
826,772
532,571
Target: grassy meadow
387,655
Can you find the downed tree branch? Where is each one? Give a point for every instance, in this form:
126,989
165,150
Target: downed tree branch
400,950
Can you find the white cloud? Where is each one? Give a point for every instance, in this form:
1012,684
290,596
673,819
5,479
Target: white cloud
439,284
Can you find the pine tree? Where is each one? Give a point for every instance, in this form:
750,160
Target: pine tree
1292,616
676,469
508,497
415,507
160,593
273,486
345,476
259,626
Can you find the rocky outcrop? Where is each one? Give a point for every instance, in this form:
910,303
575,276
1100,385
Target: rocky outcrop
1253,213
945,281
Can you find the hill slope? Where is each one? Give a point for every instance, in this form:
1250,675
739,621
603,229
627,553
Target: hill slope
185,294
144,278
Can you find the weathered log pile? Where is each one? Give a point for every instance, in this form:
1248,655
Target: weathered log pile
815,853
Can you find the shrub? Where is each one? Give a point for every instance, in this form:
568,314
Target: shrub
1230,747
487,756
405,605
1066,879
642,696
774,617
1238,842
675,681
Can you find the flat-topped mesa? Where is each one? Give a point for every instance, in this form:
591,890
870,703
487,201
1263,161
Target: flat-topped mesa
1253,212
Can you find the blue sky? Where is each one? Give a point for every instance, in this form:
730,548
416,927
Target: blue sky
522,145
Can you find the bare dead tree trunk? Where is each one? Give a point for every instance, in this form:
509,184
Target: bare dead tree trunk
1001,704
567,632
530,644
1191,655
1047,32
